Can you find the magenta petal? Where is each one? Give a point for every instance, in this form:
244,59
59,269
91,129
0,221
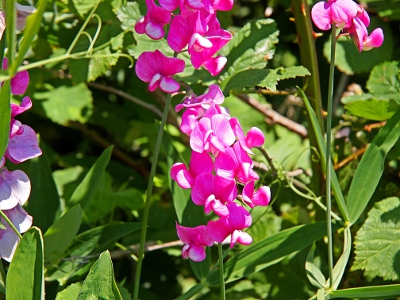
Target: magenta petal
262,197
179,33
223,130
247,193
203,187
155,30
239,217
255,138
198,138
321,16
140,25
189,121
225,189
197,235
215,65
374,40
219,208
15,188
26,104
197,253
226,164
19,83
169,5
224,5
200,163
20,218
219,230
240,237
182,176
169,85
23,147
195,4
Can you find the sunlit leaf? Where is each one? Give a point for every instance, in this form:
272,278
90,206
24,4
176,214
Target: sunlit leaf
314,274
374,292
70,292
128,15
385,80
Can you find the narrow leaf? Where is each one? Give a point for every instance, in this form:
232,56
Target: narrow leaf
60,235
85,191
340,267
370,292
100,282
337,192
5,116
269,251
371,167
314,274
25,277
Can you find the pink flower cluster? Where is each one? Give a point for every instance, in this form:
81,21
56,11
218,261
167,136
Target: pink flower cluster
15,185
195,29
220,174
351,18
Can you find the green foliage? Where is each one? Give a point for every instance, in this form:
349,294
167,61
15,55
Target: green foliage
377,241
5,115
25,277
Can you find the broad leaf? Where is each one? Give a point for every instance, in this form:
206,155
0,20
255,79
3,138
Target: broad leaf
44,191
70,292
100,282
371,108
269,251
385,79
85,191
25,277
60,235
65,104
128,15
378,241
5,116
371,166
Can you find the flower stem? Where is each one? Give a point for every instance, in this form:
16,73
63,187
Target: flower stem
221,271
148,197
4,216
329,154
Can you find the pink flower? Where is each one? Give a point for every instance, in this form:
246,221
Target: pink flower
339,12
195,240
213,95
158,69
254,138
8,238
153,23
23,11
232,225
208,5
15,188
235,163
20,82
213,192
261,197
212,134
199,163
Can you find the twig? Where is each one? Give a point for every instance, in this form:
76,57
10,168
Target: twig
273,116
350,158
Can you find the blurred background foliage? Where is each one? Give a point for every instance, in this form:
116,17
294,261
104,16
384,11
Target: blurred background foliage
82,106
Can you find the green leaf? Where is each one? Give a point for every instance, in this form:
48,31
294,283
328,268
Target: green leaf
370,292
378,240
251,47
70,292
60,235
385,79
314,274
100,282
81,7
337,192
128,15
386,9
65,104
90,242
25,277
43,191
5,116
85,191
371,166
340,267
350,61
33,23
372,109
269,251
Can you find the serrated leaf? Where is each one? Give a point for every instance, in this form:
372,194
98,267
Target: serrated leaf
292,72
100,282
371,166
384,79
377,242
102,61
82,7
373,109
65,104
60,235
251,47
70,292
25,278
128,15
144,43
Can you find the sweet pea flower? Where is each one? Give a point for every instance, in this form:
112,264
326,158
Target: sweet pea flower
8,238
158,69
195,240
199,163
20,82
208,5
254,138
261,197
23,11
213,192
232,225
15,188
213,95
153,23
338,12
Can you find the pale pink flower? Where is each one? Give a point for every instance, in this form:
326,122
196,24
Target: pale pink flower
232,226
8,238
158,69
195,240
213,95
15,188
23,11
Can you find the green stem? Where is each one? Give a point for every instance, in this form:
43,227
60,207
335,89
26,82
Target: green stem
329,154
3,215
221,271
148,198
11,13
